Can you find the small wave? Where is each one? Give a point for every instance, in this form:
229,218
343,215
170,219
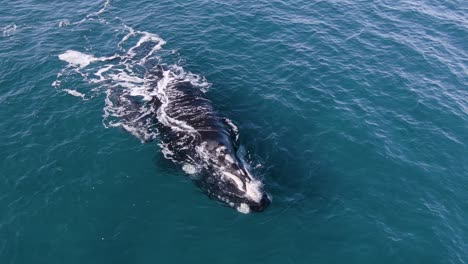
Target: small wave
89,17
64,23
75,93
8,30
107,4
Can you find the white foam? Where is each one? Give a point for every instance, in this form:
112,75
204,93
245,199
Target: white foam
163,117
74,93
147,37
8,30
100,73
77,58
64,23
102,10
158,46
56,83
131,32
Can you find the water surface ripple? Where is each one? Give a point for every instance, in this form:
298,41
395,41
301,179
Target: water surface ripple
355,113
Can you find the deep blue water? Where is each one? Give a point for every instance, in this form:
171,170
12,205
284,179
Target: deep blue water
355,114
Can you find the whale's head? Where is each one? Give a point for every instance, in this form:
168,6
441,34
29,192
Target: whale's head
230,181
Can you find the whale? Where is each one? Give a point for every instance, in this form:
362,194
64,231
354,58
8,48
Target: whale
154,98
194,135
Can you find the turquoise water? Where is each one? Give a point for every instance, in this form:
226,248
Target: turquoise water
355,113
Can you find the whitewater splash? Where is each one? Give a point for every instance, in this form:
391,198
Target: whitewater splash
122,77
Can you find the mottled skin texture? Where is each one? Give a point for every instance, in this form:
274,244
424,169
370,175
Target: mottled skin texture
220,171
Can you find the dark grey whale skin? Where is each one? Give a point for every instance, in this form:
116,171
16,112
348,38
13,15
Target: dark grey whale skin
186,103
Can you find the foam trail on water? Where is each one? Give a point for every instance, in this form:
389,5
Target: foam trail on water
107,4
129,90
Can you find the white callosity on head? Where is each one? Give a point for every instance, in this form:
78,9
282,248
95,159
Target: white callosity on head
189,169
243,208
235,179
229,158
254,190
251,188
220,150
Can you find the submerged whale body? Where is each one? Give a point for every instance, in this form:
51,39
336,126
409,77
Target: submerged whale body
194,135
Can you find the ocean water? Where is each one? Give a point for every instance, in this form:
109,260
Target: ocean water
354,114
